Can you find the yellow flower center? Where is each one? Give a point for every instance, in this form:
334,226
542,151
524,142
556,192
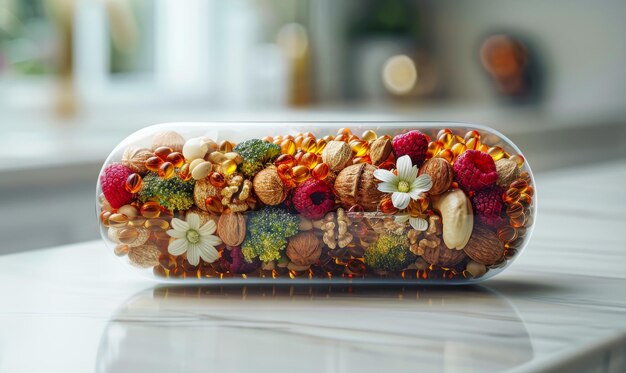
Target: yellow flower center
403,186
193,236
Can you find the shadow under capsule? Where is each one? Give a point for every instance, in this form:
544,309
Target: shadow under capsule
313,329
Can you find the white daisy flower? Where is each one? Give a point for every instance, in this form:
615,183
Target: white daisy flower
195,240
404,186
417,223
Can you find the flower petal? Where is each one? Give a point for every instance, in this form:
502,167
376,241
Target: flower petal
418,224
180,225
207,228
412,174
212,240
403,164
193,220
400,200
402,218
178,246
176,234
208,253
384,175
415,193
387,187
423,183
193,255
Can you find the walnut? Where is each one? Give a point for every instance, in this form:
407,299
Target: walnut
237,192
430,238
335,228
269,187
304,249
231,228
441,256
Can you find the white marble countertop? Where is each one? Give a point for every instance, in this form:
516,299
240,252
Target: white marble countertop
560,307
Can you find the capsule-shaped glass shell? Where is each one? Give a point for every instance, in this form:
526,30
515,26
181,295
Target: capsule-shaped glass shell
326,202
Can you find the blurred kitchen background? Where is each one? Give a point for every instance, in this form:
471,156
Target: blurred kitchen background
77,76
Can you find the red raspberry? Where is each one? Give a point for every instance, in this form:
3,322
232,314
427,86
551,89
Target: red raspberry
313,199
113,181
475,170
414,144
487,205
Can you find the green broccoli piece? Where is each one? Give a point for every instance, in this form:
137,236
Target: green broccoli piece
267,233
173,193
389,253
256,154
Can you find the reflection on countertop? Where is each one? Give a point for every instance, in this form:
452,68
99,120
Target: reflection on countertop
314,328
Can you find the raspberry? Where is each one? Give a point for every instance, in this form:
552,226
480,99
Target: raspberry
238,263
113,181
414,144
475,170
313,199
487,205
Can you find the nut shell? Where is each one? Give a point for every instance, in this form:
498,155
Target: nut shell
441,174
356,185
269,187
231,228
304,249
508,172
171,139
144,256
337,154
380,149
202,190
135,159
484,246
442,256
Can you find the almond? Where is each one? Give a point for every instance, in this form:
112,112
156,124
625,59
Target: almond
231,228
484,246
380,149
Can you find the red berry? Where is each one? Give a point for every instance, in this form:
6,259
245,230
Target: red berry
475,170
113,182
487,205
313,199
413,143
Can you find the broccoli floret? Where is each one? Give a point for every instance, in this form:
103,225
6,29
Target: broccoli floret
256,154
173,193
267,232
389,253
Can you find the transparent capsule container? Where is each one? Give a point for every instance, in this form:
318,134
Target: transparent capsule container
323,202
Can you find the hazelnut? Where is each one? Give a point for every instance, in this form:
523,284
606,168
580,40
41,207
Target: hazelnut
269,187
356,185
135,159
337,154
441,174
